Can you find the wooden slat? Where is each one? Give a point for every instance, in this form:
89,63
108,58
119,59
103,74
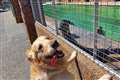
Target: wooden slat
28,19
17,11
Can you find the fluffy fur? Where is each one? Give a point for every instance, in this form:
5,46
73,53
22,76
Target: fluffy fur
41,69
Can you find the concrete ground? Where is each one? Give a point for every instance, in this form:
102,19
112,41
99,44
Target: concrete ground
13,44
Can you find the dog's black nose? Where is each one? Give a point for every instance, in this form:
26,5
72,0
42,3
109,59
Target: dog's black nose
60,54
55,45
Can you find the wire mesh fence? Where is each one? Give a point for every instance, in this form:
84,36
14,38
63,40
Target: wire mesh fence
92,25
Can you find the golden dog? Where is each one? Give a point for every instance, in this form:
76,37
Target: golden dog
48,61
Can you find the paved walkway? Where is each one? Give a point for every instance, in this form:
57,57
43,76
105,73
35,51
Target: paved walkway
13,44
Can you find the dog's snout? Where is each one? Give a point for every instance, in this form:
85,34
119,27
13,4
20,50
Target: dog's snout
55,44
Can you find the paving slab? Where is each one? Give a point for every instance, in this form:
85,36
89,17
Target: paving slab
13,44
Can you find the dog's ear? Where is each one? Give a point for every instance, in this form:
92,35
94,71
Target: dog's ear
30,55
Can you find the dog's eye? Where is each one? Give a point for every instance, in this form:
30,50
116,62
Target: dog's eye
40,47
55,44
47,38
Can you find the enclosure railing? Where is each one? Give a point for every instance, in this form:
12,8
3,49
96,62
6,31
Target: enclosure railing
92,26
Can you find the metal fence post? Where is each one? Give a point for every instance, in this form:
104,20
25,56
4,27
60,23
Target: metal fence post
54,13
96,6
28,19
41,11
35,10
16,11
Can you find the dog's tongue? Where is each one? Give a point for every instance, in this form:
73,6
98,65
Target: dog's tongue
53,60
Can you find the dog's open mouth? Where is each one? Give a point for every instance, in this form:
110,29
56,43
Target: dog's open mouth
57,55
54,57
